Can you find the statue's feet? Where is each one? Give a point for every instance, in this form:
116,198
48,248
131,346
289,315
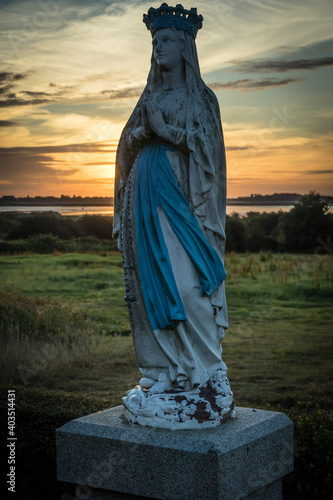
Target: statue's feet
160,405
146,383
160,386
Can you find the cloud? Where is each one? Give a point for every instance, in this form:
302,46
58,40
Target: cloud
30,167
59,94
99,163
281,66
34,94
33,174
13,101
89,147
238,148
7,81
8,77
38,165
11,97
125,93
250,85
319,172
7,123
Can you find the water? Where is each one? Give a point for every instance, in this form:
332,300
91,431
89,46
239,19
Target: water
244,209
108,210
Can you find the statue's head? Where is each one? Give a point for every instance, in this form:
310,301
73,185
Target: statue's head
169,26
168,46
173,17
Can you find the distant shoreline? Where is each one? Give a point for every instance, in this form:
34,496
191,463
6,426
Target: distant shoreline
59,203
265,203
278,199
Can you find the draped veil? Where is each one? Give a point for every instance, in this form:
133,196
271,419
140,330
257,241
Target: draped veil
207,165
206,180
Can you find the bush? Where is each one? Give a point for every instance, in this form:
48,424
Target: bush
307,223
8,222
305,228
40,335
96,225
235,231
38,318
38,414
18,226
312,476
44,223
44,243
253,233
48,244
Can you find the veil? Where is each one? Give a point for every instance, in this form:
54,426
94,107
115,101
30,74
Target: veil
207,164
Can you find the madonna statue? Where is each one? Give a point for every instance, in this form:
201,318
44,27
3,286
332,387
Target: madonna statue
170,197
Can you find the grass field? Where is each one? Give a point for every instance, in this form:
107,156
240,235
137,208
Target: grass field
278,348
66,349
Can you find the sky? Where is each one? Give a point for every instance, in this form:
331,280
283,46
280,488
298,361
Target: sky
71,72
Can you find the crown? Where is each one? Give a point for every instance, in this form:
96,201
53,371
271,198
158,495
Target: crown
173,17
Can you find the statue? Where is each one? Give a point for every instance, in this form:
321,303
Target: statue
170,197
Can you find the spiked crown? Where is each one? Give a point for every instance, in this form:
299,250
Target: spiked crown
173,17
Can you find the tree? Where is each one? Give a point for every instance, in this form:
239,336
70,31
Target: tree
97,225
307,222
235,231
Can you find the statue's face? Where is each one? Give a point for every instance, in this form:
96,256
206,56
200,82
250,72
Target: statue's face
167,48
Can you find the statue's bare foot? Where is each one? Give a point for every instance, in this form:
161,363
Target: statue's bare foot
146,382
162,385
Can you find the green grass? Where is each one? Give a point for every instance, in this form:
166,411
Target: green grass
278,347
95,282
279,344
65,347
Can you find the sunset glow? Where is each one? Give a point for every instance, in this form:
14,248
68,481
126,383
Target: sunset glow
72,72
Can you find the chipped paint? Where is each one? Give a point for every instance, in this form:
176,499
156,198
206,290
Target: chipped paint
207,406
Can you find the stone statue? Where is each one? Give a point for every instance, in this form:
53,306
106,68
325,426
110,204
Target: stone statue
170,197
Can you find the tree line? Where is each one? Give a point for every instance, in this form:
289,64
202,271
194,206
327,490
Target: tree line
305,228
308,227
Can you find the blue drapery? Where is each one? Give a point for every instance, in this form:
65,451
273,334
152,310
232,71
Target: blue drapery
156,186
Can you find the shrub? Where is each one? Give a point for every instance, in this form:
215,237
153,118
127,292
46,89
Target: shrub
235,231
312,476
305,224
96,225
44,223
39,335
38,414
46,244
24,226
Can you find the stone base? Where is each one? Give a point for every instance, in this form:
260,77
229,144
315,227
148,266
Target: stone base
272,491
244,458
85,493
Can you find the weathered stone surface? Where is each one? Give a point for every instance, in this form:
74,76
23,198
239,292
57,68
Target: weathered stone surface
203,408
228,462
272,491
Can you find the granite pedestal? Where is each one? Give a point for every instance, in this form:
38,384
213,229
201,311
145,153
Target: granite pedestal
245,458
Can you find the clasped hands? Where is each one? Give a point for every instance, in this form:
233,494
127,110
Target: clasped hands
152,119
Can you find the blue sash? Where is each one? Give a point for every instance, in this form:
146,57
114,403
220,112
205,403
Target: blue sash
156,186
